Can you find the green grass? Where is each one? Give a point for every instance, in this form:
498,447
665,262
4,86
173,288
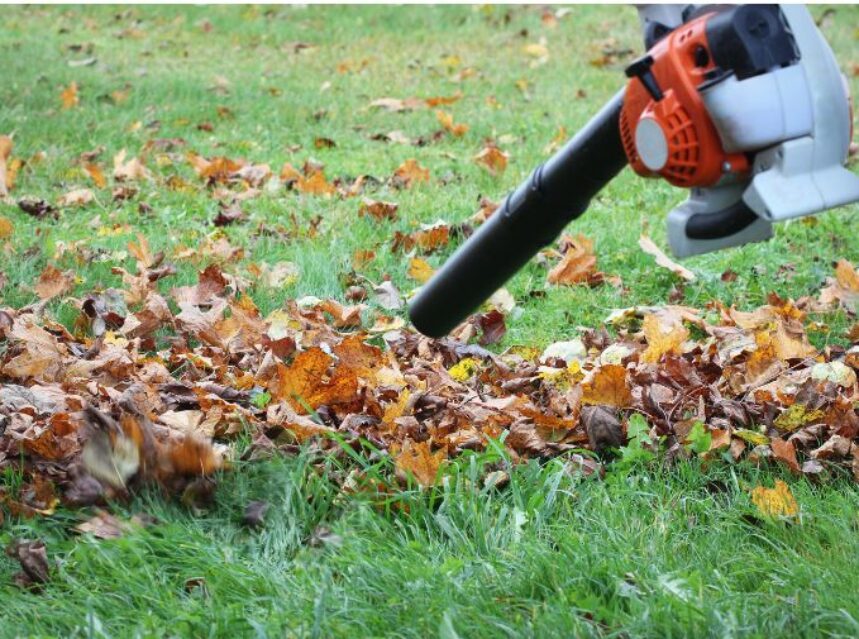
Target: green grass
648,553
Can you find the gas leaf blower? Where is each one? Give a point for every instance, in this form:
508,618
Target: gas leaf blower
744,105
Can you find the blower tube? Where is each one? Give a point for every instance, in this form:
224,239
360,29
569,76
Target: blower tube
530,218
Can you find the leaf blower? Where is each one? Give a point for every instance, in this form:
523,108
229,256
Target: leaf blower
744,105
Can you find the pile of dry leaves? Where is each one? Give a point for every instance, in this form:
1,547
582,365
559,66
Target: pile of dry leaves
148,389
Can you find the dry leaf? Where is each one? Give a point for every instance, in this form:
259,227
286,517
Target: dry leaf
76,197
69,96
662,260
53,283
378,209
775,502
420,270
607,386
578,265
492,159
410,173
418,460
665,334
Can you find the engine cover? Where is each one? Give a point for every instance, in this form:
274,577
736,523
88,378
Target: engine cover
664,125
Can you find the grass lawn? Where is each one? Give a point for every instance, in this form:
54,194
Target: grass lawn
646,552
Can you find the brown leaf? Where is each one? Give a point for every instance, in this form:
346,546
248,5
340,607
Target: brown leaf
76,197
33,558
53,283
785,452
603,428
378,209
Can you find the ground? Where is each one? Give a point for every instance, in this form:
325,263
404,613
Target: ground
652,552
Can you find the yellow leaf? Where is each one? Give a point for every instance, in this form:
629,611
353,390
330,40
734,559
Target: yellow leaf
607,386
752,436
5,227
796,417
464,369
662,337
420,270
775,502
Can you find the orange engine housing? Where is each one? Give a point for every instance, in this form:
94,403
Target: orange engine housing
695,157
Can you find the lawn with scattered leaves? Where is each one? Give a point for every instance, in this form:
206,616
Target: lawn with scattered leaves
214,418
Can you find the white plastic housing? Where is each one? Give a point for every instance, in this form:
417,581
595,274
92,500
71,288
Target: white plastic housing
761,111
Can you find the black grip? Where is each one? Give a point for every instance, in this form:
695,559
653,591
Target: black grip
719,224
530,217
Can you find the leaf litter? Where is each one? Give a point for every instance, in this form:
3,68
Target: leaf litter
90,414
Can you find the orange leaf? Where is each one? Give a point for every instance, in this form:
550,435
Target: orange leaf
578,264
663,337
410,172
492,159
378,209
846,275
95,172
418,460
785,452
69,96
446,121
607,386
316,184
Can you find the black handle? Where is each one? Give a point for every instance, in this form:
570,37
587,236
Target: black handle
529,218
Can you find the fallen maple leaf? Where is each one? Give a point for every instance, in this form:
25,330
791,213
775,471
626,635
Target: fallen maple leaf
775,502
128,170
665,334
420,270
492,159
446,121
69,96
96,174
5,152
378,209
578,265
410,173
76,197
607,386
417,460
647,245
53,282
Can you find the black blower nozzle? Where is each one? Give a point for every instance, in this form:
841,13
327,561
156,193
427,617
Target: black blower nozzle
530,218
